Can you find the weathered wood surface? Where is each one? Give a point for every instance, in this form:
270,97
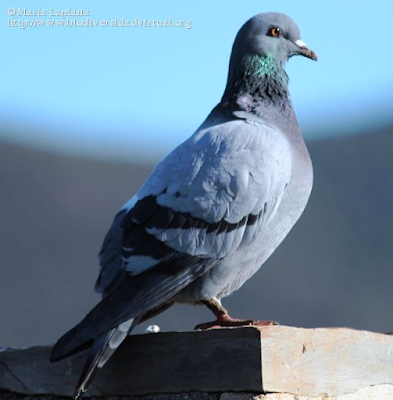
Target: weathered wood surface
379,392
278,359
324,361
154,363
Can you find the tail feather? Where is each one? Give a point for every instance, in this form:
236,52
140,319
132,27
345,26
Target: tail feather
101,351
133,296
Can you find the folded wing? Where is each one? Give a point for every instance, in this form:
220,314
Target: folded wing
209,197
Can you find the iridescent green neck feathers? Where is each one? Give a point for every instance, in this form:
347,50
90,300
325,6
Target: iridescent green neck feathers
262,79
259,67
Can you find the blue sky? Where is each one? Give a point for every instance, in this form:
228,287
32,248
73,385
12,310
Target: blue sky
136,92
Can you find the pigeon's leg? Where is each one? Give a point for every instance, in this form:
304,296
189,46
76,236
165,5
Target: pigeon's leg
224,319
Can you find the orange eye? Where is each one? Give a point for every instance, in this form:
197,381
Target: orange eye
274,31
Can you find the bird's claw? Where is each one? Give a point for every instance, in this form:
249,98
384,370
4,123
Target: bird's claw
233,322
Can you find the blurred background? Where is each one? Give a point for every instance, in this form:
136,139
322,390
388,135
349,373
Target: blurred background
87,109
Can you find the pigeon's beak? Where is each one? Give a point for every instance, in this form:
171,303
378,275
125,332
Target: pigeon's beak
305,51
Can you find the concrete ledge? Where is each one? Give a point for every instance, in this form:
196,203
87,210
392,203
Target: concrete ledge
285,362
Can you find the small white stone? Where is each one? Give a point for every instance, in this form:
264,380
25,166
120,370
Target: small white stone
152,329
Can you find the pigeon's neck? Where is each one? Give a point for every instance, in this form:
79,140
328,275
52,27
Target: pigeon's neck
256,83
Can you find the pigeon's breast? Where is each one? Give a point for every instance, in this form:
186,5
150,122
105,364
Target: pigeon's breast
233,271
248,261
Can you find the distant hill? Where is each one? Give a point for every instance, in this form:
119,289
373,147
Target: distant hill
334,269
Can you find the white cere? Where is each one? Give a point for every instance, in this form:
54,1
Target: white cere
301,44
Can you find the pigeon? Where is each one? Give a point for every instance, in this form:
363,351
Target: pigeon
211,212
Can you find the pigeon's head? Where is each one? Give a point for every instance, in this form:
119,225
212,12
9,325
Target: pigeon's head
256,69
272,35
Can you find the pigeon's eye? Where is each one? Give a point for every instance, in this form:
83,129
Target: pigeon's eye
274,31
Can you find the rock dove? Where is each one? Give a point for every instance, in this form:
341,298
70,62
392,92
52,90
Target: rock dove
212,211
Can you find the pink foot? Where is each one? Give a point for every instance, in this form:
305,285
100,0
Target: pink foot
226,321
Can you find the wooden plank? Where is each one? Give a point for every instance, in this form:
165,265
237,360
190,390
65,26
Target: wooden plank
210,361
379,392
321,361
215,361
279,359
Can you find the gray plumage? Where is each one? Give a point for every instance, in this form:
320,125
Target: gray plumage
214,209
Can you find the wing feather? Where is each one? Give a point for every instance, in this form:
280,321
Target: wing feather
210,196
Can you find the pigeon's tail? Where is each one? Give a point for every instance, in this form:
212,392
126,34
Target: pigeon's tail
101,351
